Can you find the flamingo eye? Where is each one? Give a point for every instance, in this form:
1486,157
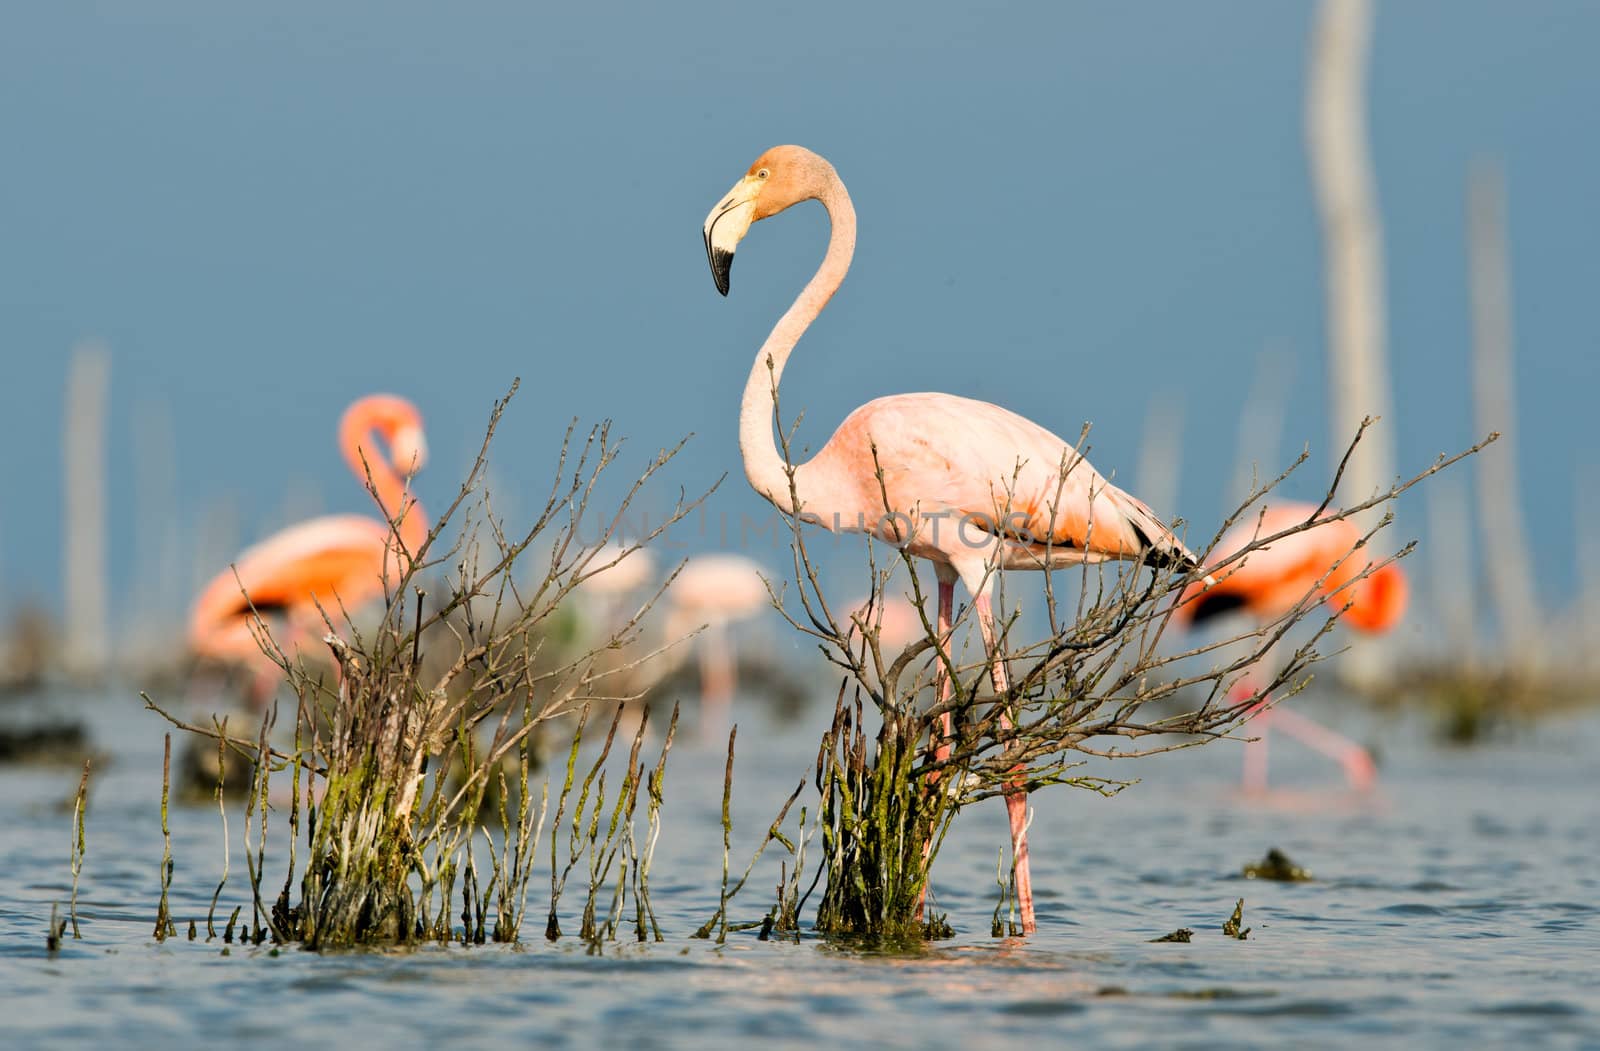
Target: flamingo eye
762,174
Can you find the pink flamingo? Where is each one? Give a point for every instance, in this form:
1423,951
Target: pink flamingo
1274,579
335,560
714,591
971,487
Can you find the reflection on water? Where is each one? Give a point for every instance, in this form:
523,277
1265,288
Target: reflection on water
1459,904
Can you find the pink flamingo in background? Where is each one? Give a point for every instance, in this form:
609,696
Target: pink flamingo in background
1273,580
897,621
971,487
337,560
617,574
714,591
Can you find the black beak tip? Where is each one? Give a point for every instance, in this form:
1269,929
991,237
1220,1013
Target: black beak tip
721,265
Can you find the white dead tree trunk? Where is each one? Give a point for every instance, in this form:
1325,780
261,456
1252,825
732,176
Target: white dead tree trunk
151,630
83,545
1510,571
1586,535
1341,175
1451,571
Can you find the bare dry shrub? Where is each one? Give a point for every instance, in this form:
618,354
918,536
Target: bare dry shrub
1097,683
461,682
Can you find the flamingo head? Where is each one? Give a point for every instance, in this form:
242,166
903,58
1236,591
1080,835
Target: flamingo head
780,177
409,447
1379,600
395,421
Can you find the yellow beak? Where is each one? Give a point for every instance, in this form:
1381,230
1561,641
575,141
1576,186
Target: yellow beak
726,226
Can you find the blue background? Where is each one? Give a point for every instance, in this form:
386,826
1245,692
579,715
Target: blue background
1076,210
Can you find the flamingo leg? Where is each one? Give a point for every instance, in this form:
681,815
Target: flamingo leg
941,691
263,684
1016,795
717,679
941,677
1359,770
1255,754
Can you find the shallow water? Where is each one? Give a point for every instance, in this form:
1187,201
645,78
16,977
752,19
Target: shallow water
1458,904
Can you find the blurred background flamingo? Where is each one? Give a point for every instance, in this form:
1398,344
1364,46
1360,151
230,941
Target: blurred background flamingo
338,561
715,591
620,574
895,619
1323,562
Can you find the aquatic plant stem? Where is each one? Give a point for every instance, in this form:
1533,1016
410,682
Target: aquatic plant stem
164,925
79,844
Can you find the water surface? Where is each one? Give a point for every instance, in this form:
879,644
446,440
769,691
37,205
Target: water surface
1456,905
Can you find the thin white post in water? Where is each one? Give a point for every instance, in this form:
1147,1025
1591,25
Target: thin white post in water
153,611
1510,570
83,541
1586,535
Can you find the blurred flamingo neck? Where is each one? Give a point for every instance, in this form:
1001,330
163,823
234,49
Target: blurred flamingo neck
363,454
763,462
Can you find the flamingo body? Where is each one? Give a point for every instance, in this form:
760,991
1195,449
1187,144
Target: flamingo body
980,487
720,587
1277,577
337,559
620,572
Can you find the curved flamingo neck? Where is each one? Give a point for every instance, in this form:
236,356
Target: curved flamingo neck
763,462
364,455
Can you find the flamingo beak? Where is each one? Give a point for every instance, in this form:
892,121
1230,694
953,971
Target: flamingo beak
726,226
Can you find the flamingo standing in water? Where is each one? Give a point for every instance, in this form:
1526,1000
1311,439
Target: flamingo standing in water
1008,493
1276,578
337,560
715,591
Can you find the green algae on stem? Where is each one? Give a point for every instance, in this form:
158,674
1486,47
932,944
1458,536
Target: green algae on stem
80,843
656,788
719,922
222,810
255,867
165,928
